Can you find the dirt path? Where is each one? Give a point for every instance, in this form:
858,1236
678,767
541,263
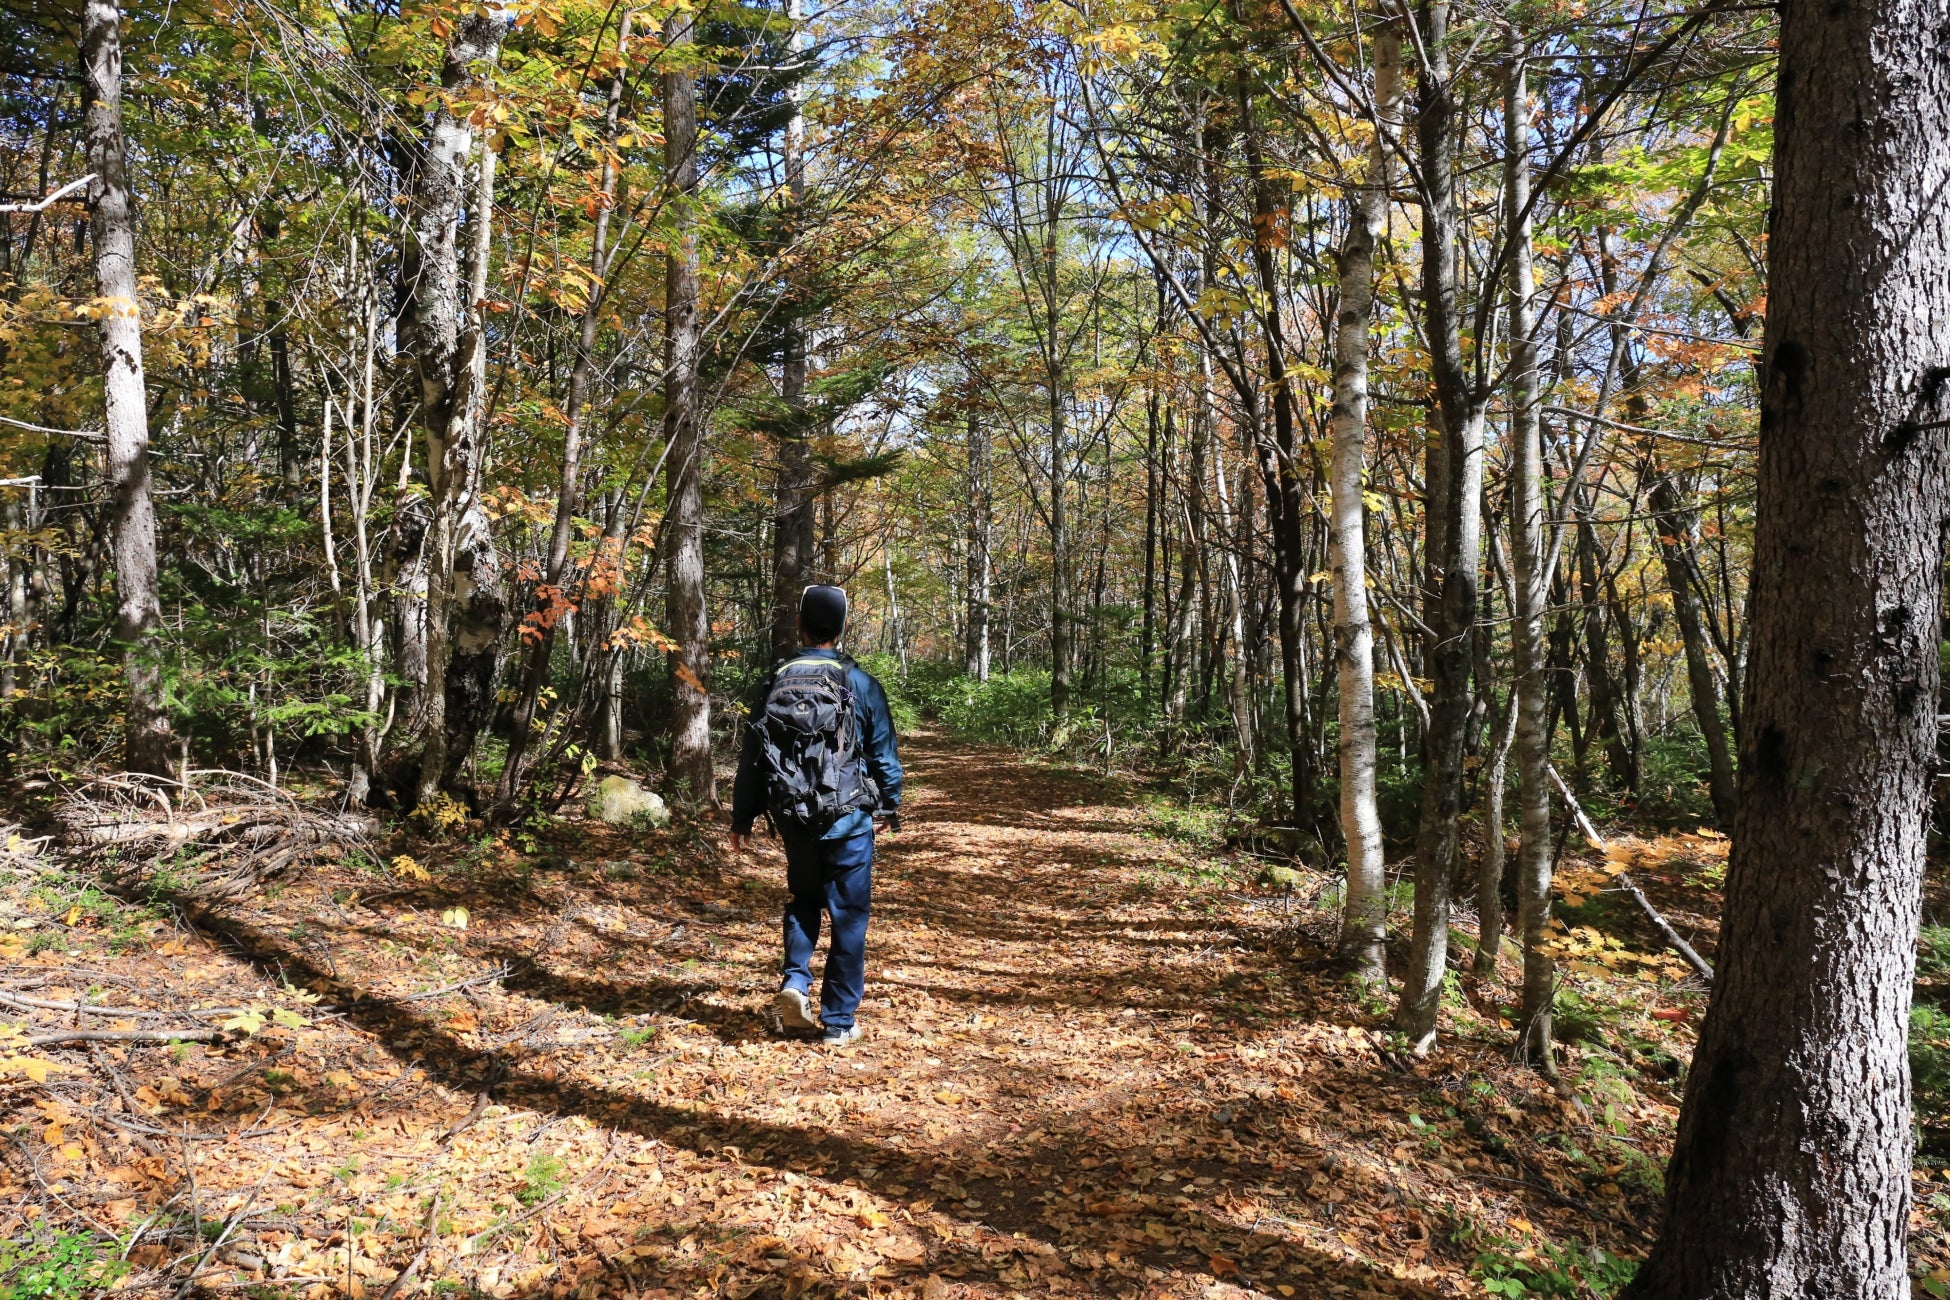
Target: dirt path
1092,1064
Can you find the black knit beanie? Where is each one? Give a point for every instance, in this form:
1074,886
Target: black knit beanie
822,614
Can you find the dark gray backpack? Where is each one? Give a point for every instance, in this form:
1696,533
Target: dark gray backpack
811,747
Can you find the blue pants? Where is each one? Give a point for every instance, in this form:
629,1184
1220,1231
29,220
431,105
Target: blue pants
834,876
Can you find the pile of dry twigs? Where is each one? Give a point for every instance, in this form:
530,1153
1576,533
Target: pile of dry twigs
208,836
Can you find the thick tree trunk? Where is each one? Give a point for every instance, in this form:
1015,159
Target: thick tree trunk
1790,1176
1454,542
1676,549
146,737
1364,923
793,539
975,651
443,334
1531,584
688,619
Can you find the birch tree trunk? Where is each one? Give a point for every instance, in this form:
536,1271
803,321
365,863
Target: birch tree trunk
1364,923
689,622
1454,540
443,334
980,524
146,737
1528,558
1790,1175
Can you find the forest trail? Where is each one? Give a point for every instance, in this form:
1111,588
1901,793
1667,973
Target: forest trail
1092,1064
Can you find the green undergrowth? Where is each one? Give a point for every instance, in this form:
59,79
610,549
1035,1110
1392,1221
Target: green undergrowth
44,1267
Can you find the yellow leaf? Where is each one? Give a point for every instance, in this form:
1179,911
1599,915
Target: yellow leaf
454,918
412,870
74,914
1522,1225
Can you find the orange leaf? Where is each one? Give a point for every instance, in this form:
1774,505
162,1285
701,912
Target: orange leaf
1222,1267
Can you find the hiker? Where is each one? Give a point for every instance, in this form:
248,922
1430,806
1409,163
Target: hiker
818,762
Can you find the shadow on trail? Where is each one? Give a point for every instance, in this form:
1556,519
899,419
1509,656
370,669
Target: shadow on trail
973,1185
1027,1162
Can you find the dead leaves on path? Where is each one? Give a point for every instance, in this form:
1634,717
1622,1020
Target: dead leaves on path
1092,1066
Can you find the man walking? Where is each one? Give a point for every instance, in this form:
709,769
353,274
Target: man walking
819,760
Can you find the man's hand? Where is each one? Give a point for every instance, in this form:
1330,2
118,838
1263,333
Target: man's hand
893,822
741,843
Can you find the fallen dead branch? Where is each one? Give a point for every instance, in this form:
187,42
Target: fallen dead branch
126,1036
1597,841
213,835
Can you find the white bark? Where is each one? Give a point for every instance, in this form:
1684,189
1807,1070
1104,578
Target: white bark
1364,923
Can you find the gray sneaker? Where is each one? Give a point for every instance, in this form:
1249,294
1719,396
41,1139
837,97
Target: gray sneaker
837,1038
794,1011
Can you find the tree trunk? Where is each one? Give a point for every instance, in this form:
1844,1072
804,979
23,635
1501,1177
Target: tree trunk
1279,467
1790,1175
1364,924
1454,542
793,516
1148,598
685,611
1059,552
1675,548
1528,558
444,353
146,737
975,660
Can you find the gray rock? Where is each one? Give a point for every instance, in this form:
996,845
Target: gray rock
619,801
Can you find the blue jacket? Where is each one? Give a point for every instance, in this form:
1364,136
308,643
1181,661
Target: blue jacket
877,733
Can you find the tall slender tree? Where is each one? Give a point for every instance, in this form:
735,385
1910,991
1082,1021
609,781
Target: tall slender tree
1452,536
686,614
146,734
1364,923
1530,579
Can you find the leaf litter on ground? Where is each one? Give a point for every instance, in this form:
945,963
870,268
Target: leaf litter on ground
1096,1061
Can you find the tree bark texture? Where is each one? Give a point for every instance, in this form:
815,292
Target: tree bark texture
1790,1175
1364,921
146,737
1454,540
1530,583
443,334
685,609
